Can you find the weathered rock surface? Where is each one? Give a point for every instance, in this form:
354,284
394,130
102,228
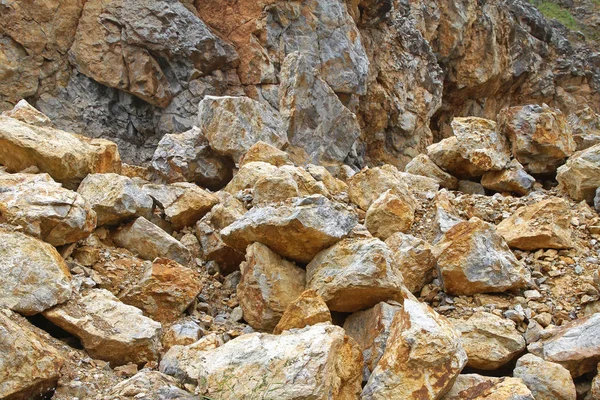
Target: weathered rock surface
490,341
151,384
308,309
512,179
108,329
25,112
181,333
355,274
585,124
468,385
390,213
580,176
480,143
268,285
33,276
476,387
414,258
44,209
545,380
423,165
543,225
297,230
366,186
264,152
473,258
422,358
446,155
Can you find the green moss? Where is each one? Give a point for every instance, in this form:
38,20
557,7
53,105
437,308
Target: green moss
554,11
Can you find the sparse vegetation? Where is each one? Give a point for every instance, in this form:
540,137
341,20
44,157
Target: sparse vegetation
554,11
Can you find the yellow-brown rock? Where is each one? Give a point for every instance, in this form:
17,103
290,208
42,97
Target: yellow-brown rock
580,176
546,380
446,155
308,309
264,152
414,258
511,179
367,185
423,165
489,388
390,213
24,112
480,143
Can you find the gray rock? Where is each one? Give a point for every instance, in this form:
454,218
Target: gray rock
470,187
512,179
422,165
580,176
546,380
150,384
480,143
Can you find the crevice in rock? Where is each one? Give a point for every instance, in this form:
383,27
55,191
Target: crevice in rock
55,331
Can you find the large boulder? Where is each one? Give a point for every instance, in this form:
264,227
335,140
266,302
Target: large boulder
480,143
546,380
44,209
446,155
297,229
390,213
585,124
423,165
489,388
33,276
414,258
580,176
308,309
367,185
511,179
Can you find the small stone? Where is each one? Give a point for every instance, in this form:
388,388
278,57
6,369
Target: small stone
181,333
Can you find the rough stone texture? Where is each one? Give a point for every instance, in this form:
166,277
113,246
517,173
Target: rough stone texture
268,285
575,346
308,309
319,362
490,341
148,241
187,157
317,123
512,179
29,367
297,230
545,380
108,329
473,258
580,176
33,276
422,358
414,258
367,185
25,112
233,124
543,225
540,136
181,333
248,175
66,157
585,124
595,389
264,152
423,165
150,384
480,143
390,213
165,290
446,155
476,387
470,187
371,329
44,209
466,385
115,198
355,274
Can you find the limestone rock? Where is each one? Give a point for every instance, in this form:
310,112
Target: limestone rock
33,276
489,388
545,380
44,209
580,176
319,361
446,154
446,213
470,384
585,124
274,188
355,274
181,333
371,329
115,198
233,124
297,230
366,186
150,384
24,112
187,157
315,119
23,146
490,341
248,175
29,367
108,329
512,179
480,143
543,225
148,241
308,309
390,213
414,258
423,165
264,152
473,258
331,183
470,187
540,136
422,358
268,285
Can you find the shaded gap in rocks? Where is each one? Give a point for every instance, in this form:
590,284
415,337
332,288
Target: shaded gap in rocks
55,331
339,318
503,371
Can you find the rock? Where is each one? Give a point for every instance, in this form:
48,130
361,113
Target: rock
165,290
423,165
187,157
268,285
29,367
108,329
390,213
580,176
422,357
23,146
181,333
148,241
414,258
421,187
595,389
233,124
597,200
512,179
264,152
181,361
473,258
150,384
366,186
585,124
115,198
274,188
446,213
540,136
481,144
332,184
297,230
371,329
446,155
469,384
545,380
24,112
316,121
490,341
248,175
543,225
33,276
308,309
284,366
575,345
470,187
44,209
355,274
489,388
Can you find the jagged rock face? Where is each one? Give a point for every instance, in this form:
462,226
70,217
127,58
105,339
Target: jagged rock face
415,260
476,387
585,124
480,143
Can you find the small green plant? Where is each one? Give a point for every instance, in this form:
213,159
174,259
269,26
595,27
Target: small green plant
552,10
